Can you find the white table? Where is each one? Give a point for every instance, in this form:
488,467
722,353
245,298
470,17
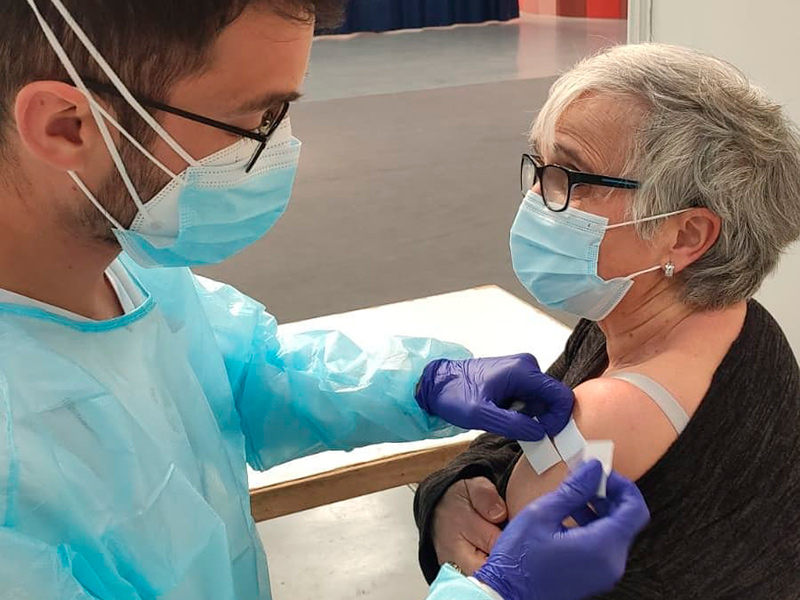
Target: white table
487,320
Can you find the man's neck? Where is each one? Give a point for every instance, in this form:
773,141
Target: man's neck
640,326
60,271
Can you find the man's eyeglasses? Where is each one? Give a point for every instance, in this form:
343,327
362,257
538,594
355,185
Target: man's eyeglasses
557,182
265,131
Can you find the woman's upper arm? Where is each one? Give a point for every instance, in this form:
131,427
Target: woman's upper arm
610,409
605,409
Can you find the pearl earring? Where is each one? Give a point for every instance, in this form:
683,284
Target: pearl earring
669,269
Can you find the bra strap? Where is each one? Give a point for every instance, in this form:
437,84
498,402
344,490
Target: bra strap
665,401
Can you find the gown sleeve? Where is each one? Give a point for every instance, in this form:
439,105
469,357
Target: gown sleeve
305,393
451,585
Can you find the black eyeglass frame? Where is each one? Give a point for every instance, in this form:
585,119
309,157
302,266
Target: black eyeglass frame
573,178
263,135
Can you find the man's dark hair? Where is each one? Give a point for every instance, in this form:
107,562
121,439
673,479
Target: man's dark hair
150,43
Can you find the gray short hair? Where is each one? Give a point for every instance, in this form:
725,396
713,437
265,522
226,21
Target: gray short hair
708,138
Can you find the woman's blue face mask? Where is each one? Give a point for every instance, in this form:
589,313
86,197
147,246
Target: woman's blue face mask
555,257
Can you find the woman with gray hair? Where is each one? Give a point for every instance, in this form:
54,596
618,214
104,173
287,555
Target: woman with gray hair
661,191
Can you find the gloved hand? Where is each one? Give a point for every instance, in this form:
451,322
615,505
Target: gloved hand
537,558
477,394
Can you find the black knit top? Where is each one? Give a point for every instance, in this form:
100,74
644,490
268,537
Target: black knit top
724,498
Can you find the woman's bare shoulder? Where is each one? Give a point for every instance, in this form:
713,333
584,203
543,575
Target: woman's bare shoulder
612,409
605,409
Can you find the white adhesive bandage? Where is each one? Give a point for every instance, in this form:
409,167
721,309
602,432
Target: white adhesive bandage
542,454
570,447
570,444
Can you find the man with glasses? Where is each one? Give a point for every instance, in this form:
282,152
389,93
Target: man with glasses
132,393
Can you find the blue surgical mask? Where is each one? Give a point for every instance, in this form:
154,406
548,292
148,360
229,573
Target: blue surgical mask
555,257
211,210
215,210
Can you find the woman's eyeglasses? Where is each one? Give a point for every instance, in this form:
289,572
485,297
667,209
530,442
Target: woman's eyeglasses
557,182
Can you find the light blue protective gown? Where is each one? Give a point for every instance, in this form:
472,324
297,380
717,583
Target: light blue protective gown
123,443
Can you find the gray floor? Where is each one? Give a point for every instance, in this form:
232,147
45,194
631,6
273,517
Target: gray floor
407,188
399,196
348,66
363,548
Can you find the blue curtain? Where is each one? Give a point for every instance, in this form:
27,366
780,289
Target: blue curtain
386,15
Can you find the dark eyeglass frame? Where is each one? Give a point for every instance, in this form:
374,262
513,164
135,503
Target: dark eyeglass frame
265,131
573,178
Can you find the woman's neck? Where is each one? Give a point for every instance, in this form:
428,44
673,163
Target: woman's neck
640,326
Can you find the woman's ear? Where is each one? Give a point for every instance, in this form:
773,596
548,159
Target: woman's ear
55,124
695,232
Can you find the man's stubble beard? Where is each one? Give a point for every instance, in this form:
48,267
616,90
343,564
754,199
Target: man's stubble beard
113,195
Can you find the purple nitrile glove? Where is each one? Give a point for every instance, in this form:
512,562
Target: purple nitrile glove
538,558
479,393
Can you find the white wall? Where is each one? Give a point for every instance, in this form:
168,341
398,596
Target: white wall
761,37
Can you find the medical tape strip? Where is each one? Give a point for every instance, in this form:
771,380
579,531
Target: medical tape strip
570,444
542,454
569,447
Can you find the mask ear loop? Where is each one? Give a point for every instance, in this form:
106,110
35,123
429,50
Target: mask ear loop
646,219
104,132
643,271
134,142
138,146
95,201
669,268
117,82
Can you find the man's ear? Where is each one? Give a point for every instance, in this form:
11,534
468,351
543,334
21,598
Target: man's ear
697,230
56,125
